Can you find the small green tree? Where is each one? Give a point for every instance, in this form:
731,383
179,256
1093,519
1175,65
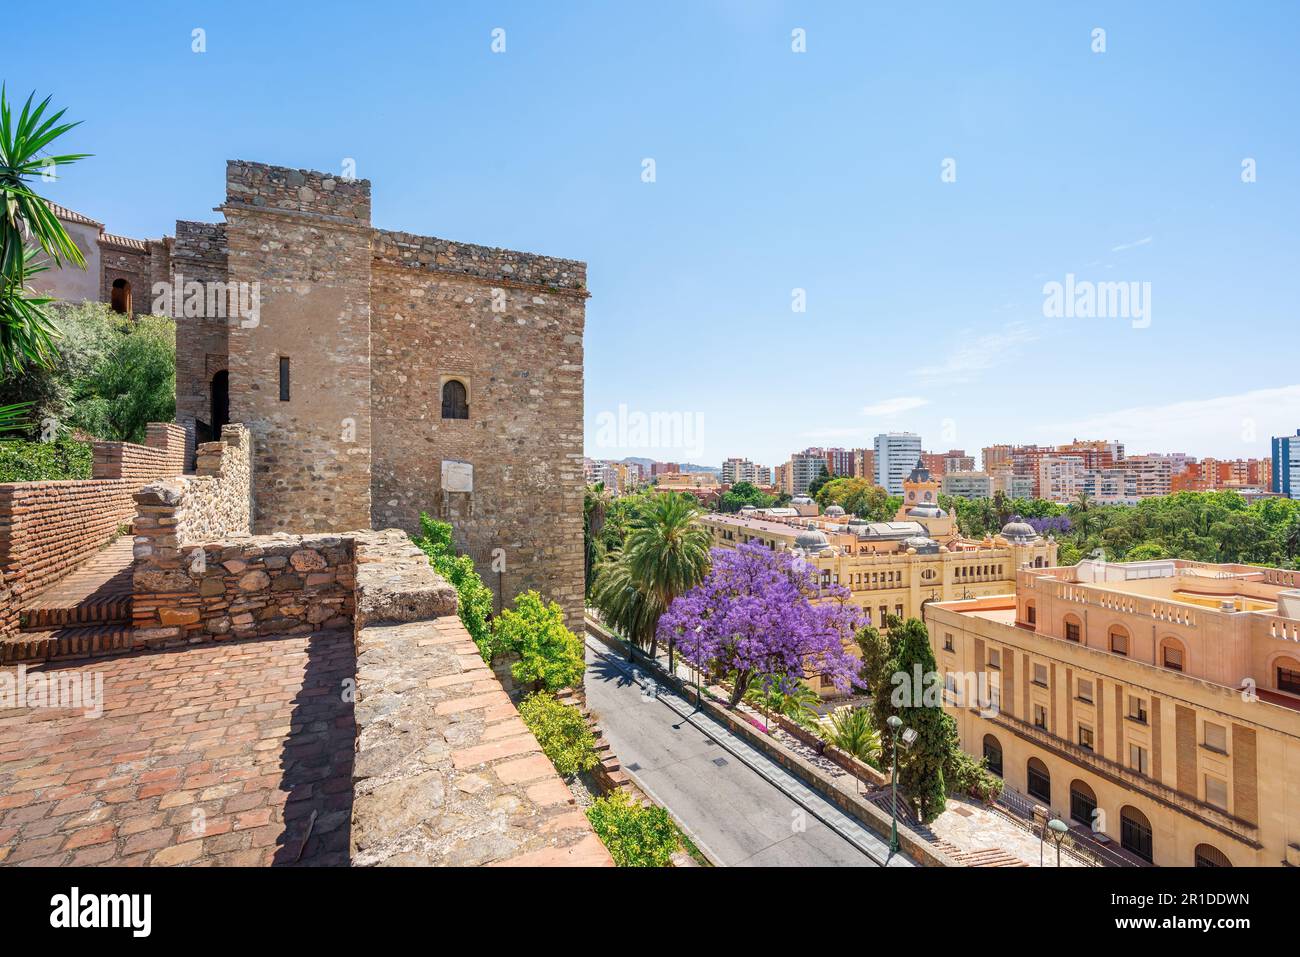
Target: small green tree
636,836
550,656
562,732
473,598
920,766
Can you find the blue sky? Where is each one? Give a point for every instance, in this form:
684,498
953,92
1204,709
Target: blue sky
775,171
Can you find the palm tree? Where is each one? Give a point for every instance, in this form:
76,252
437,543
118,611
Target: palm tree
667,552
30,233
623,605
850,730
11,417
595,503
1081,504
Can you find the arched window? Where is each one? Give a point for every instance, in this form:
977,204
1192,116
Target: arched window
1287,671
120,297
1073,628
1031,613
455,400
1135,833
1207,855
1172,655
1118,640
993,754
1083,802
1038,781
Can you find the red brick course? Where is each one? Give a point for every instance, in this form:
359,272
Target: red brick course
226,754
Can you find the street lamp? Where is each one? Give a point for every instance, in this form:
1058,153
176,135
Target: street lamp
699,695
1059,830
909,735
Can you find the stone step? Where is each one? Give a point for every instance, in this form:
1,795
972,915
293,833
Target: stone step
31,647
111,610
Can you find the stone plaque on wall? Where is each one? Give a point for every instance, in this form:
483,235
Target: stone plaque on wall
457,476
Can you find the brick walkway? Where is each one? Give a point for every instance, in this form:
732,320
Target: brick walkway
218,754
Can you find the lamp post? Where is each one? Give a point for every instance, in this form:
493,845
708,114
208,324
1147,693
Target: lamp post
699,695
909,735
1059,830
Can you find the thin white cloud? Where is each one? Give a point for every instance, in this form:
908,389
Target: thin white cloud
1144,241
1229,425
978,353
895,406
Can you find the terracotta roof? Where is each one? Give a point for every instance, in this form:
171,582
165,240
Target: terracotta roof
71,216
125,241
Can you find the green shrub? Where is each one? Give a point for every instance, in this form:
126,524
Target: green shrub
965,775
550,656
474,599
109,375
562,732
636,836
45,461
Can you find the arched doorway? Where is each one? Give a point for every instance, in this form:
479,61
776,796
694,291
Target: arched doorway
455,400
1207,855
993,754
220,400
1038,781
1135,833
1083,802
120,297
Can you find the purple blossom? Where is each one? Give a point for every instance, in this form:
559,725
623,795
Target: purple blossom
753,614
1050,525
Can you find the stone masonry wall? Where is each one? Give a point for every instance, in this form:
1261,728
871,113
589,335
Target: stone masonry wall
446,773
305,237
509,326
123,258
213,504
245,588
198,254
48,528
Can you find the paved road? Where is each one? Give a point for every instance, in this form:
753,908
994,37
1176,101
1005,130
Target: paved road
738,816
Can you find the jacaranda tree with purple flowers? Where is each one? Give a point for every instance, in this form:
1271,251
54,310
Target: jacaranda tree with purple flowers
755,614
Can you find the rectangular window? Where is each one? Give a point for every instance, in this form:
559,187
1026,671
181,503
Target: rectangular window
1071,631
1137,758
1216,737
1085,690
995,658
1040,675
1040,717
1216,792
1174,659
947,641
1085,737
1032,612
1137,709
284,378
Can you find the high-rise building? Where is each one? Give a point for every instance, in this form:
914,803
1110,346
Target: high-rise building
967,484
896,455
996,458
1155,472
1286,465
840,462
1211,474
740,470
1010,484
805,466
1060,477
864,464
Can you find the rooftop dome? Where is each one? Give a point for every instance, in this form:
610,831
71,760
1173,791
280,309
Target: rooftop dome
810,541
801,500
1018,531
835,510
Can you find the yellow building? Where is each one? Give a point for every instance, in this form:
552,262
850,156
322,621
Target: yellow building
1154,706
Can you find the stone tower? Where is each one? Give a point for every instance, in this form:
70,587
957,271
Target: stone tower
299,365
